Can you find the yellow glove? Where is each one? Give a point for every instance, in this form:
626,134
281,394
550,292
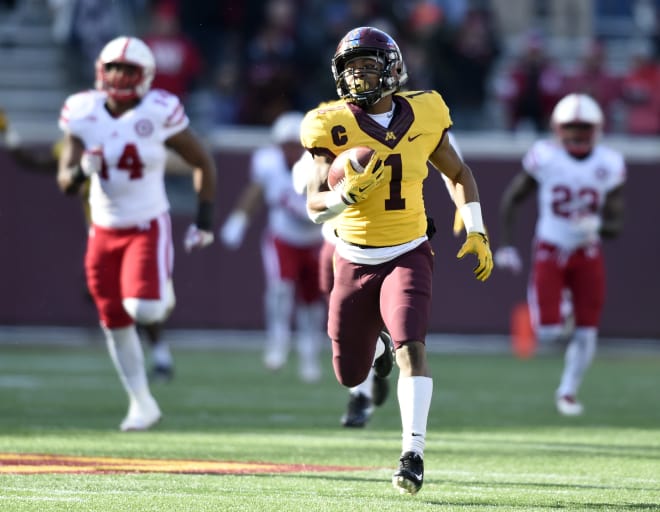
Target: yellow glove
458,223
357,185
477,244
56,150
4,122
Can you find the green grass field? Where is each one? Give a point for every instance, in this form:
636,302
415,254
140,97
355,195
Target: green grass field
494,442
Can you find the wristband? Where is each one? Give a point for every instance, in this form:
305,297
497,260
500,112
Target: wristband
238,220
78,176
12,139
472,219
204,219
334,202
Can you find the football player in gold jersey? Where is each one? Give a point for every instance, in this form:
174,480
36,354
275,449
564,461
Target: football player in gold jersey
383,260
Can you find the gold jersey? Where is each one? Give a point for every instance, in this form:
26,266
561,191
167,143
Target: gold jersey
394,212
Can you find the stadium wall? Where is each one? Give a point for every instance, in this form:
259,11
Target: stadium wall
42,238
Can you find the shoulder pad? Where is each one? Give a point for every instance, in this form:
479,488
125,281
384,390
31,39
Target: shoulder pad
540,152
161,103
312,130
81,104
263,162
164,107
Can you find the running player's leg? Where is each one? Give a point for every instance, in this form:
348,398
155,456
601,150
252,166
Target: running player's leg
405,306
586,280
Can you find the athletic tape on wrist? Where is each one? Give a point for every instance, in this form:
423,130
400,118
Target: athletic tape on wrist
335,202
472,219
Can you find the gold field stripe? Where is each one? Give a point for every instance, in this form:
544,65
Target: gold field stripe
34,463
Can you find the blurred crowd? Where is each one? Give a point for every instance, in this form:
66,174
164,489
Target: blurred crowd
247,61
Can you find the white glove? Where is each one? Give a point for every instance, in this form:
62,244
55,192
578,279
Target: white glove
12,139
91,161
196,238
233,230
588,226
508,258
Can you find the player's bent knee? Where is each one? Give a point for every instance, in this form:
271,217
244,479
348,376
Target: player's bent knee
145,311
349,377
549,333
349,381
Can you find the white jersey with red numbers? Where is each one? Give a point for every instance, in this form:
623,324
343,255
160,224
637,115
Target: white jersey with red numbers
130,189
287,209
572,192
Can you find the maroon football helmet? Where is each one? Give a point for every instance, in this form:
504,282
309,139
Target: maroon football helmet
369,42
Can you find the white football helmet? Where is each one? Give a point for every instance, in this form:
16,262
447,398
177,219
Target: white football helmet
286,127
126,50
577,121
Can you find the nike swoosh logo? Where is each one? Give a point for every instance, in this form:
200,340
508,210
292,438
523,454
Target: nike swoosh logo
410,139
419,476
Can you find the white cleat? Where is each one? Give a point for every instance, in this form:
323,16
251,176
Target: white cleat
141,417
275,359
567,405
310,372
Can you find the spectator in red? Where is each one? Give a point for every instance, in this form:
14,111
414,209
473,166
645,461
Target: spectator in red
532,87
594,78
641,93
178,61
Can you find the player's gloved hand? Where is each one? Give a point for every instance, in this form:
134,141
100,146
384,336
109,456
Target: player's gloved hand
4,122
356,186
507,257
477,243
12,139
233,230
91,161
196,238
588,226
458,223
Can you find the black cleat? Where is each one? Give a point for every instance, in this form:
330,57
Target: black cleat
358,413
383,364
162,373
410,475
380,389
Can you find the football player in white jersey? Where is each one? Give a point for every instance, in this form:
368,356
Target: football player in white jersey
578,183
290,250
46,162
117,137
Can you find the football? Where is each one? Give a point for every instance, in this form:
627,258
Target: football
359,156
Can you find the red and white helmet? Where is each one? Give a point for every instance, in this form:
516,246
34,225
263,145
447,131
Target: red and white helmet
127,50
286,127
577,121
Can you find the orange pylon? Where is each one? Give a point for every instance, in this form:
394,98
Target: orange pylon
523,340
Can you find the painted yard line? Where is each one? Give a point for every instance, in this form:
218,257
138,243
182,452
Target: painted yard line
30,463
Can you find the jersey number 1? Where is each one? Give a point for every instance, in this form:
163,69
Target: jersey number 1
395,201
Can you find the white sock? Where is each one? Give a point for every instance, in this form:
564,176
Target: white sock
414,394
380,349
364,387
309,324
126,354
161,354
579,355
